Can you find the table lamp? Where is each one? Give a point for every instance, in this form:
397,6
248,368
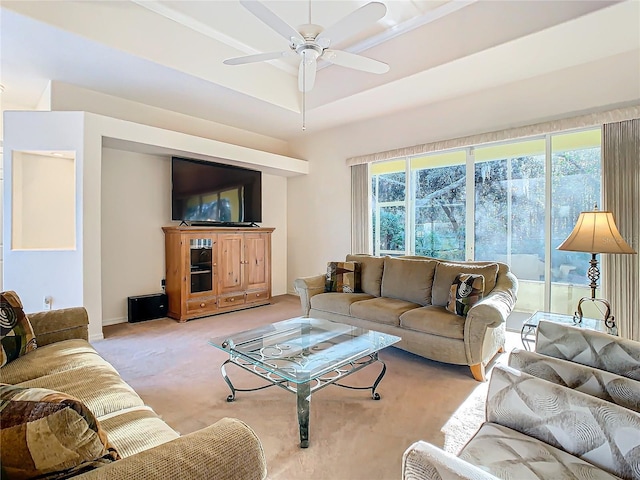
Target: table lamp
596,232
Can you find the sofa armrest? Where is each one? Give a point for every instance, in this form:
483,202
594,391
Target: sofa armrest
56,325
490,312
228,450
423,461
307,287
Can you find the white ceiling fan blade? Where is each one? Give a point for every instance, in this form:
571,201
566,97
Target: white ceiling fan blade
351,60
307,71
272,20
357,20
258,57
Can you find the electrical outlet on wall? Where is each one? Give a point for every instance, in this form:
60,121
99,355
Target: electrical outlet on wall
48,302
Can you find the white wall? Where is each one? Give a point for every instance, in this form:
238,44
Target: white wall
319,204
66,97
274,214
34,274
136,203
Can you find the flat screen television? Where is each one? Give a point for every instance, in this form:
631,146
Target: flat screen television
208,193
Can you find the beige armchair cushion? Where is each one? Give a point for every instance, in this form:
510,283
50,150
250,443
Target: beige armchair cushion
370,272
446,274
408,279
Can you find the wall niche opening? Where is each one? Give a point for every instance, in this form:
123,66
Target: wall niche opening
43,200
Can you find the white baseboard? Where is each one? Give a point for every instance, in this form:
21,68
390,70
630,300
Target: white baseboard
94,337
113,321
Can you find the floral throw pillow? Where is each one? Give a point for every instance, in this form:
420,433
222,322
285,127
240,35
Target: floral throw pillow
466,291
16,335
342,277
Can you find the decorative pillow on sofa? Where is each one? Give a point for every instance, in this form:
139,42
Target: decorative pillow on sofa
446,273
16,334
342,277
49,434
466,291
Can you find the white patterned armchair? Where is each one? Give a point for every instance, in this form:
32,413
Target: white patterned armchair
551,418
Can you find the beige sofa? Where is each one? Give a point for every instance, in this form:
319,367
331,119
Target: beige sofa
406,296
149,448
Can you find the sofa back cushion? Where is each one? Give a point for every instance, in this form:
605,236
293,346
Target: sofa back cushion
446,273
370,272
408,279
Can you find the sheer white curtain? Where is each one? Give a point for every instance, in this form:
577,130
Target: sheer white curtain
621,195
360,211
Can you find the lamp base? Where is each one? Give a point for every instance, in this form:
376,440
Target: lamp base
609,320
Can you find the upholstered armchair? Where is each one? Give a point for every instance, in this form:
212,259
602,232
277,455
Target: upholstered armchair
568,410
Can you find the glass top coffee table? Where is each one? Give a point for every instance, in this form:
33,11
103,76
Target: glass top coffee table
303,355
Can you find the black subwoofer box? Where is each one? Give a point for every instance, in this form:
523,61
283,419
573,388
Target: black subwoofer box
147,307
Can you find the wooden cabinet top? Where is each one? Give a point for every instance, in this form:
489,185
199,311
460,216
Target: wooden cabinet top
186,229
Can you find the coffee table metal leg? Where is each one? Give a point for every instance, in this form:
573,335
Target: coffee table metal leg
304,400
231,397
375,395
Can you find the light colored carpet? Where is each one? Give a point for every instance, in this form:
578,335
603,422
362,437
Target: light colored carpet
352,436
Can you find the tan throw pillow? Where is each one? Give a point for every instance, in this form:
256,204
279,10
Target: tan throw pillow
408,279
342,277
466,290
446,273
16,333
49,434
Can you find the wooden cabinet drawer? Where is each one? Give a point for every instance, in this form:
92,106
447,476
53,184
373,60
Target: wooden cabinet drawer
201,305
230,300
257,296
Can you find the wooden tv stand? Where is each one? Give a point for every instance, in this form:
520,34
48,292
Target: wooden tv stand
211,270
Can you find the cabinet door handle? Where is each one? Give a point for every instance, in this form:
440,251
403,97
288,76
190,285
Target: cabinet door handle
202,305
257,295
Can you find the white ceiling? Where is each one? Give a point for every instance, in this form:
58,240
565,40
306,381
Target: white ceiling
169,54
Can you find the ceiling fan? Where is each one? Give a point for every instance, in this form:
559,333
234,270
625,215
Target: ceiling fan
311,42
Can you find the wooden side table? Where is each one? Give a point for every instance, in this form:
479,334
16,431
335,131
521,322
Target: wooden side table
530,326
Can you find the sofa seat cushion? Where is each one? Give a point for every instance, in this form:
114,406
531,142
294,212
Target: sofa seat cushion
408,279
507,453
382,310
337,302
434,320
54,358
136,429
99,387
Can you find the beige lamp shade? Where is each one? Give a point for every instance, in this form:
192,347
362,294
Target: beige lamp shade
596,232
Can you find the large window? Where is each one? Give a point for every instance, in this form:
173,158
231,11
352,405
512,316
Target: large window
511,202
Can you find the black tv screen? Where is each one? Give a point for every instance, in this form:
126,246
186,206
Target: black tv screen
207,192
